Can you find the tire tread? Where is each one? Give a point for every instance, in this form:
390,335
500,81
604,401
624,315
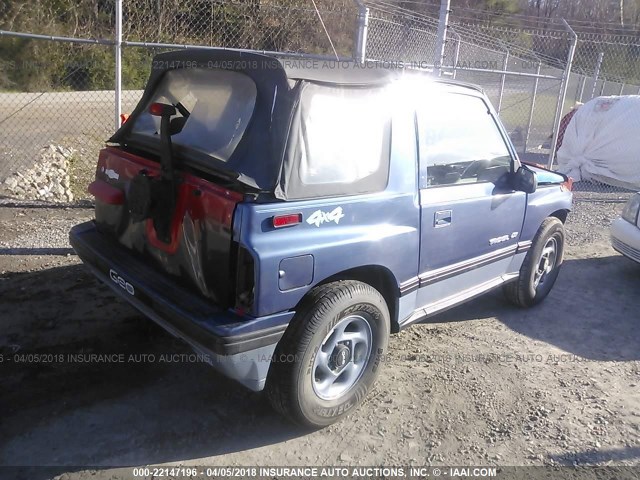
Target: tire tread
280,388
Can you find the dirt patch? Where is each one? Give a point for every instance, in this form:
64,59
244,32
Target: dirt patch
485,383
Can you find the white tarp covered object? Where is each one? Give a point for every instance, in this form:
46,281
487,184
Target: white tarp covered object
602,142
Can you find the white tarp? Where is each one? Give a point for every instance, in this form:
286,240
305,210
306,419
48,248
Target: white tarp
602,142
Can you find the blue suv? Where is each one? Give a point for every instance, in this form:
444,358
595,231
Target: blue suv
284,216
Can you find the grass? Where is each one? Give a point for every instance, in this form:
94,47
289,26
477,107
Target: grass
516,106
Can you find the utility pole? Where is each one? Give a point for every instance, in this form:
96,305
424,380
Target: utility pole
442,36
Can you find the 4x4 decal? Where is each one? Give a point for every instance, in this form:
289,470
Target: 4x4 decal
318,217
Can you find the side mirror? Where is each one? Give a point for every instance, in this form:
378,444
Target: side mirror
524,180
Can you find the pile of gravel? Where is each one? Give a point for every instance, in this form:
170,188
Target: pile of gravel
47,180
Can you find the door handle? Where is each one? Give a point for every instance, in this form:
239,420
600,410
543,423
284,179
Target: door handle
442,218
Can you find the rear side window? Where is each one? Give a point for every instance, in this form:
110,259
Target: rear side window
339,142
460,142
214,108
344,135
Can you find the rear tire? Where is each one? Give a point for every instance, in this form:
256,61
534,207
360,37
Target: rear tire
541,266
330,356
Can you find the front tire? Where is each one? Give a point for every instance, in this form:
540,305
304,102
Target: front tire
330,356
541,266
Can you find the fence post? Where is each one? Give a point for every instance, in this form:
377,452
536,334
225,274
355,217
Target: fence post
534,93
582,84
596,74
505,67
441,36
118,53
361,32
456,54
604,83
563,92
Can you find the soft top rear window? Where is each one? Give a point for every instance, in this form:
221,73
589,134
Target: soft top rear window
213,106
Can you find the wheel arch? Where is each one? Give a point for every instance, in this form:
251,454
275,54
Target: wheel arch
560,214
378,277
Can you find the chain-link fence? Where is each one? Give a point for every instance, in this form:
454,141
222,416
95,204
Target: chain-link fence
57,71
279,26
533,76
57,62
51,134
524,83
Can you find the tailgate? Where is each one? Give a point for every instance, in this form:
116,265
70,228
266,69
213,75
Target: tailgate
199,252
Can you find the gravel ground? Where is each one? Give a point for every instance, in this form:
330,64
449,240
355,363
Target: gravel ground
484,383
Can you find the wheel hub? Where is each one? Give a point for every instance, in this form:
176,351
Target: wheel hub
340,357
546,262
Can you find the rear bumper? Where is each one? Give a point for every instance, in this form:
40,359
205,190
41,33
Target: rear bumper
625,238
240,347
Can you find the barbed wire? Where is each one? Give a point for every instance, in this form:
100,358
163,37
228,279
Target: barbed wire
475,36
508,16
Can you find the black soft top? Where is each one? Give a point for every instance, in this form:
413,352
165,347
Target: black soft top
257,158
260,157
336,72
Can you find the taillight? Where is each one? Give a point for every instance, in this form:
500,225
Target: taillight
280,221
123,118
106,193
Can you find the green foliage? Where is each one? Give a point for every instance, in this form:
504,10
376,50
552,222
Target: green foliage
136,67
35,65
31,65
278,25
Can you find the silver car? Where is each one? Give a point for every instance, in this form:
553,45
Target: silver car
625,230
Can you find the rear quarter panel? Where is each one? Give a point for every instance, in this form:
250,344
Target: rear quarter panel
379,230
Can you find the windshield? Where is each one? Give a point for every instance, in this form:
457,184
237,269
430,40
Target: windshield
213,107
